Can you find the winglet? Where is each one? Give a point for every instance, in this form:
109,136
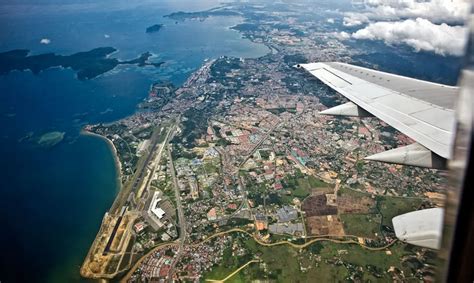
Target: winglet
347,109
414,154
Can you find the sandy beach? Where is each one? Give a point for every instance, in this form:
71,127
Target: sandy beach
118,164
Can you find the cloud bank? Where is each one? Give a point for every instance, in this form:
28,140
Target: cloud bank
428,25
436,11
420,34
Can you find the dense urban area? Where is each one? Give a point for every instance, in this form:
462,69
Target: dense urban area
235,176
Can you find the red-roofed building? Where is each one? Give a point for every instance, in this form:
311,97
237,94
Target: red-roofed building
278,186
364,131
212,214
232,206
164,271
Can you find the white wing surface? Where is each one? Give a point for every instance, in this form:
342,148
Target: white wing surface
421,110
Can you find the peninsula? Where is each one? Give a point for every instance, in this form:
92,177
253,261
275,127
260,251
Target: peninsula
88,65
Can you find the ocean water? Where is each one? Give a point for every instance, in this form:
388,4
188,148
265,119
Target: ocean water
53,199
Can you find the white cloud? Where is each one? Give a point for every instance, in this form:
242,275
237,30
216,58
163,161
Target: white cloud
341,35
330,20
45,41
355,19
437,11
420,34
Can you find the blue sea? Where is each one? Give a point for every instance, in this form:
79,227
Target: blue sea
53,199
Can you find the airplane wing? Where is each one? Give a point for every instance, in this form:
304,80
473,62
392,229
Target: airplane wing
421,110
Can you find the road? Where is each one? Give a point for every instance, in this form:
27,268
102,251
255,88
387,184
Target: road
236,173
181,217
235,272
238,230
298,246
139,262
265,137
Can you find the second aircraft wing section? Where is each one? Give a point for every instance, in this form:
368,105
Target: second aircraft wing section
419,109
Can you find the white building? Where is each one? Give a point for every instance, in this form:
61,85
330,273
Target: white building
155,212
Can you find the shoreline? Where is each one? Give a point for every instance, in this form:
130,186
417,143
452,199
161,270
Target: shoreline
118,164
119,187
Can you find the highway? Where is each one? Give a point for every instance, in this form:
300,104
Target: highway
265,137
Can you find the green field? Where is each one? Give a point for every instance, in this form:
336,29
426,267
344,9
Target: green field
361,257
211,167
386,207
321,262
361,225
390,207
301,187
228,265
345,191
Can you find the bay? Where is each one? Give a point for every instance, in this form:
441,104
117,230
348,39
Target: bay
53,199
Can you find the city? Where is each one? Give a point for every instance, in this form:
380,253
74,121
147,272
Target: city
236,168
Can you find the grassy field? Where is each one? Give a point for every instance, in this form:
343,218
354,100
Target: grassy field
384,209
390,207
309,182
279,260
229,264
301,187
211,167
361,225
344,191
361,257
288,264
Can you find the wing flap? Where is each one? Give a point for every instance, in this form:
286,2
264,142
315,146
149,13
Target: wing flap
330,78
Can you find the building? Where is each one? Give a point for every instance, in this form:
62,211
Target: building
261,222
139,227
142,146
193,184
291,229
212,214
155,213
286,214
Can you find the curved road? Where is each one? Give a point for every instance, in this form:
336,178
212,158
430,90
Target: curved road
238,230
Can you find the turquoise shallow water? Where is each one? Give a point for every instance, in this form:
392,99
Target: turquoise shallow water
52,200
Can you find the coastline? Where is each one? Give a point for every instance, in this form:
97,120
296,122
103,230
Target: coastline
118,164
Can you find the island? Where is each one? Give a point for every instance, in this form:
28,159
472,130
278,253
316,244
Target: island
51,139
88,65
181,16
154,28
